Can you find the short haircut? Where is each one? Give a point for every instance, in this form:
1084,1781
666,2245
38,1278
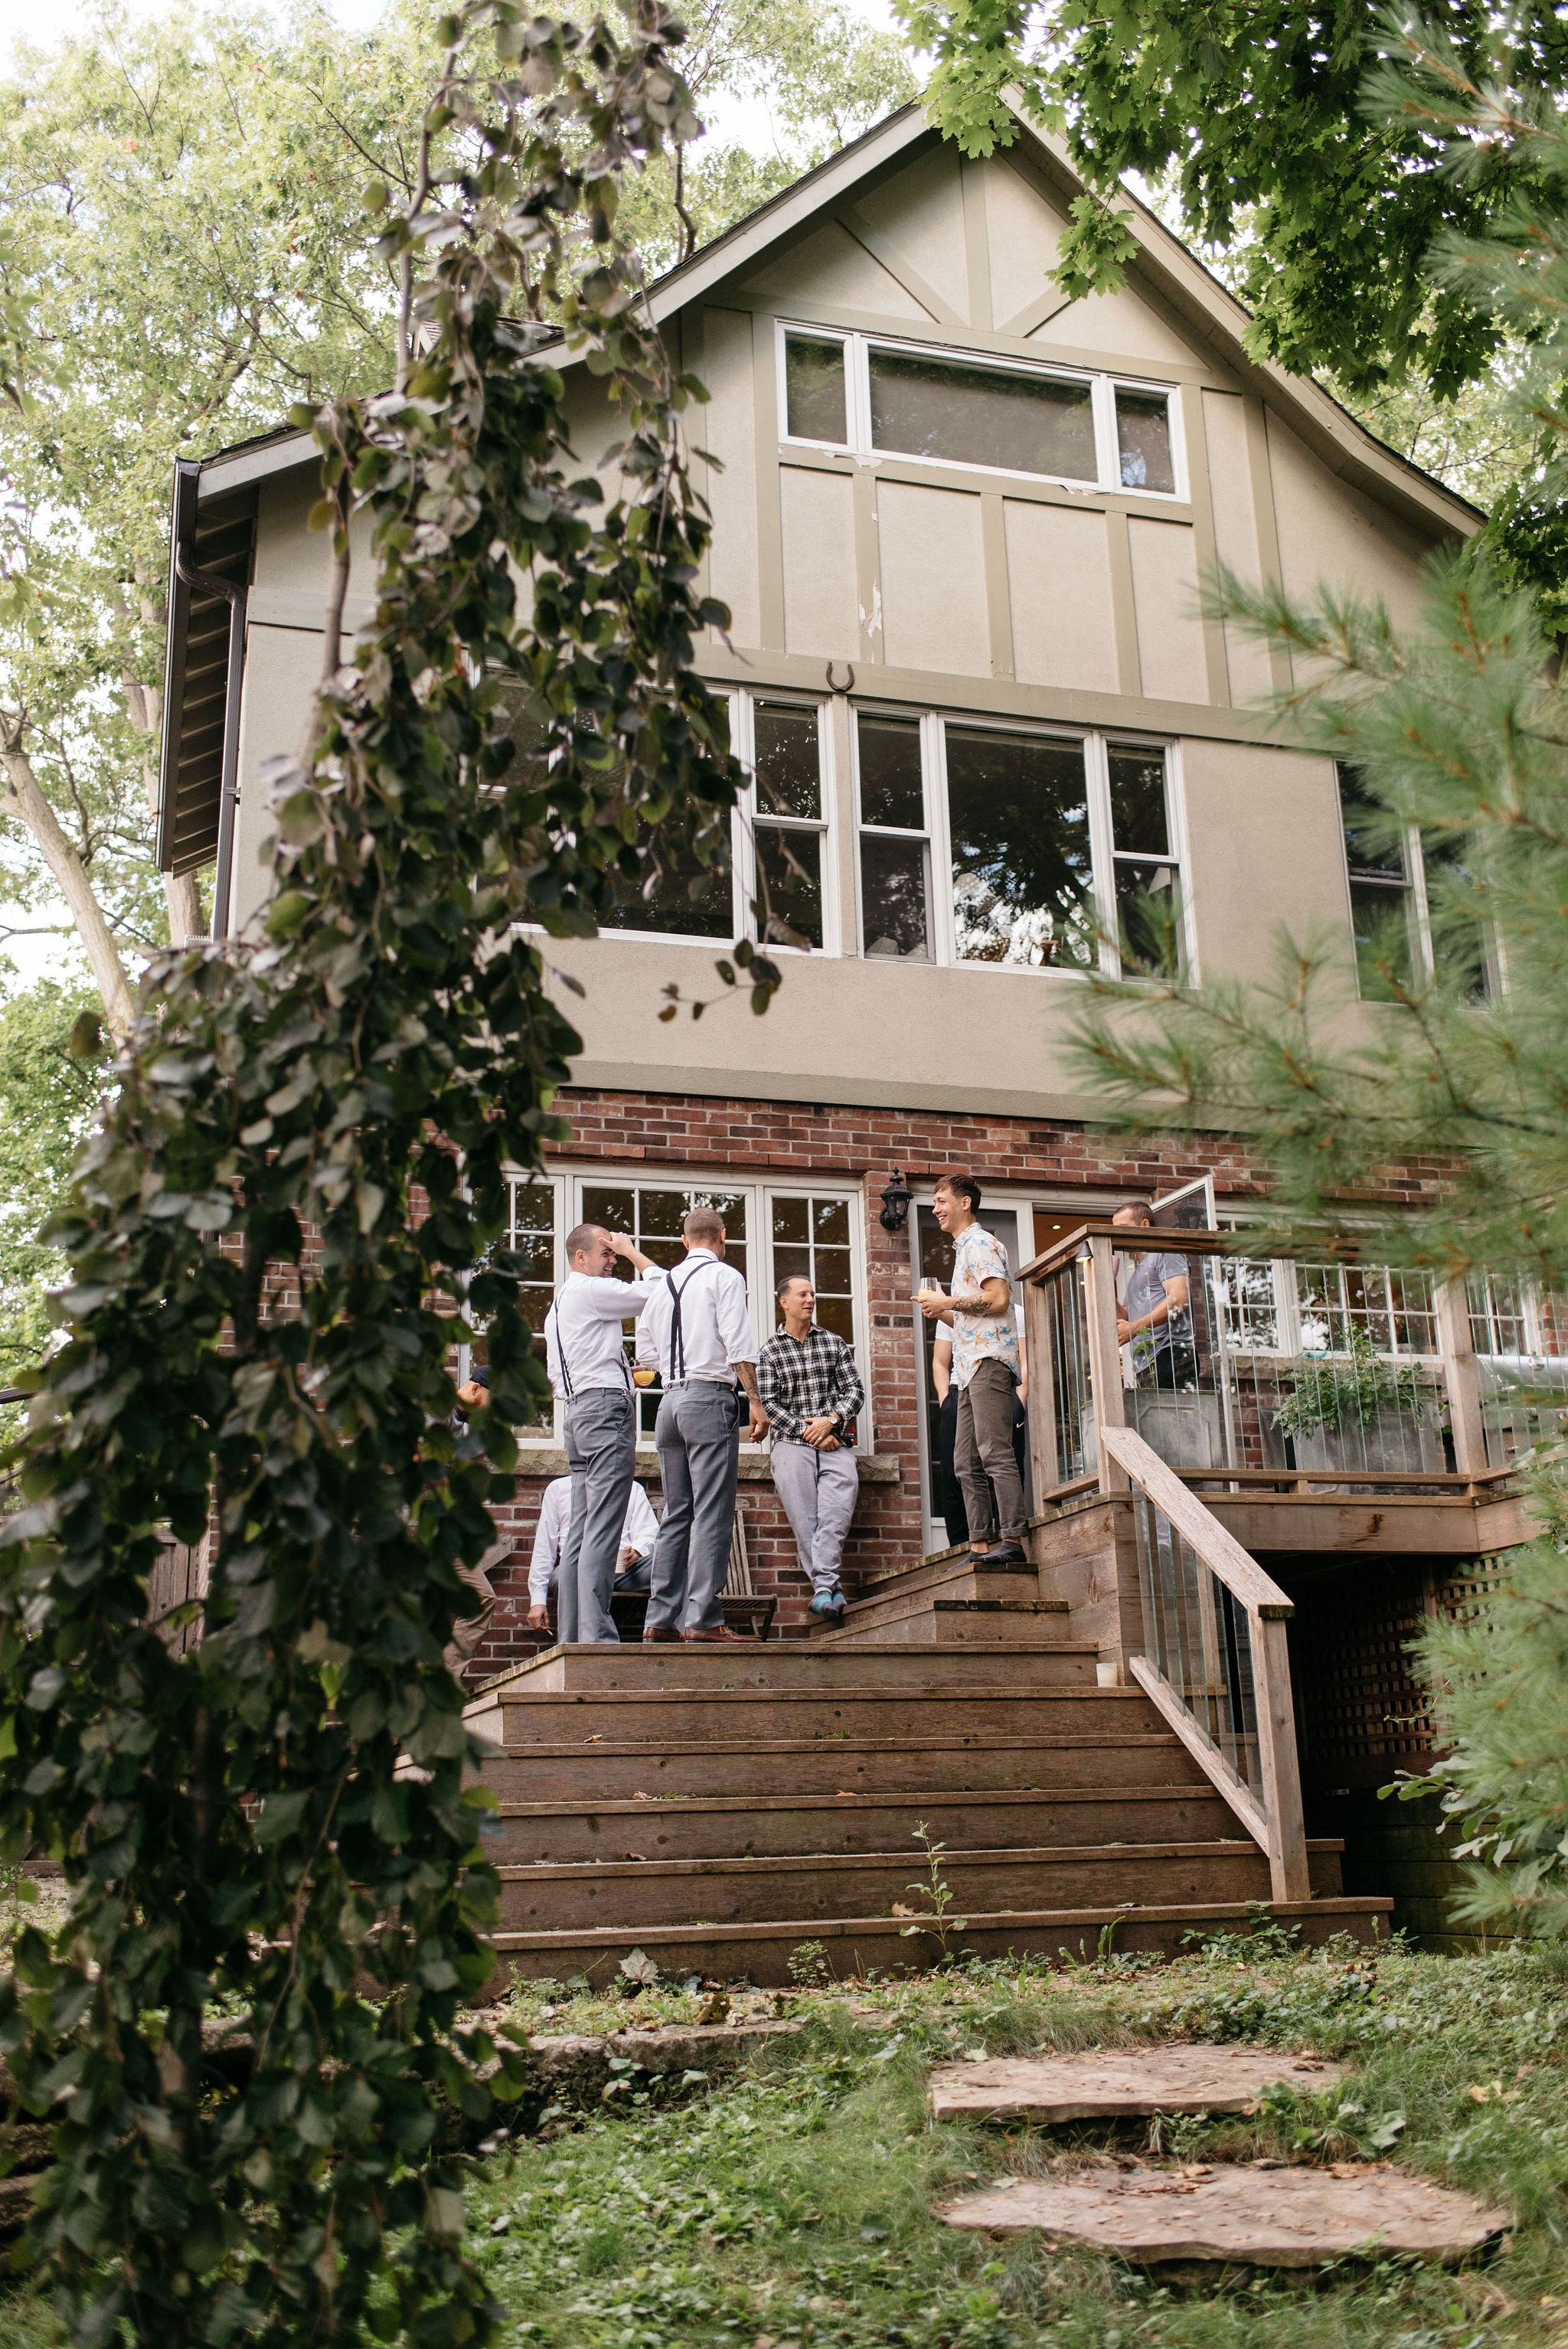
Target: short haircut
1138,1208
701,1225
478,1376
781,1289
581,1236
963,1186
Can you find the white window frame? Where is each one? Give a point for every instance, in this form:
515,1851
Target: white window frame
1103,384
1096,747
1424,961
568,1182
743,740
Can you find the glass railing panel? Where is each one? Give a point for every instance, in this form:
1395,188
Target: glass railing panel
1197,1639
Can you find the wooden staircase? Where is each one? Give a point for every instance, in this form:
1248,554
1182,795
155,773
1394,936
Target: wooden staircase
717,1807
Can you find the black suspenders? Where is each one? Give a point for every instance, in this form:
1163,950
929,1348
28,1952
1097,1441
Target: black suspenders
561,1356
678,1334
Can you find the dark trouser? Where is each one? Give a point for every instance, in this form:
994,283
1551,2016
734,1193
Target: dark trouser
1175,1367
982,1447
699,1437
954,1515
602,1454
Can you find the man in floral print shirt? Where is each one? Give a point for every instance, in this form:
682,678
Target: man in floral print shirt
985,1370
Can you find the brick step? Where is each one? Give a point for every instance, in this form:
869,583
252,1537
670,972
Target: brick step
638,1893
613,1771
786,1664
969,1622
846,1710
744,1827
760,1952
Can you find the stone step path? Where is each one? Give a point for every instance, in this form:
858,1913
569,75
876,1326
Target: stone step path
1120,2084
1261,2217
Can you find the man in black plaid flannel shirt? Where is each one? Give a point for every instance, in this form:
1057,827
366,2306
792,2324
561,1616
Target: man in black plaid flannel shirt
811,1391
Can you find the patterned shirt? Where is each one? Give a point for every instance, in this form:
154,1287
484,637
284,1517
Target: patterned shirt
809,1378
979,1256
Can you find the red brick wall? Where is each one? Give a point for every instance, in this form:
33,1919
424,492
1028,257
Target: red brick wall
843,1146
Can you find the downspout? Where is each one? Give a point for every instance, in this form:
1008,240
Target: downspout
208,582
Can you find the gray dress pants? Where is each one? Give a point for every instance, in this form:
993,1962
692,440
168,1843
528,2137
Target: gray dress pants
818,1490
698,1436
602,1454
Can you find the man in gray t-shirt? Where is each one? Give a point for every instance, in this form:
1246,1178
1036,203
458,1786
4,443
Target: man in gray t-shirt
1153,1317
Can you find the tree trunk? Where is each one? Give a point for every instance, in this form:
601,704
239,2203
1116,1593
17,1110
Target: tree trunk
25,801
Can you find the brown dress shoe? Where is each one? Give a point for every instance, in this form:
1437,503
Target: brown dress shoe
724,1633
649,1637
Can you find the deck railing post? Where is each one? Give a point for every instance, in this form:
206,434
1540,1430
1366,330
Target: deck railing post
1105,1359
1277,1763
1044,1448
1462,1377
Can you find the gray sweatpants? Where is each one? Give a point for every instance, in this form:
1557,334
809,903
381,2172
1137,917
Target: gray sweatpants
602,1454
698,1436
818,1490
982,1446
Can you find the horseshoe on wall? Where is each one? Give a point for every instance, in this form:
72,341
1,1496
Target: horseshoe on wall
842,688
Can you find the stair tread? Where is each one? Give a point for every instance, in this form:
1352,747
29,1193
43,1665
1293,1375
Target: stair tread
610,1936
639,1748
749,1805
1075,1854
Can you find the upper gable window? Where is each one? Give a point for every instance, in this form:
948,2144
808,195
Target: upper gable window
1000,416
945,408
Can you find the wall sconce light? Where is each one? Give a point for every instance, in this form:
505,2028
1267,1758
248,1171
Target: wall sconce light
895,1203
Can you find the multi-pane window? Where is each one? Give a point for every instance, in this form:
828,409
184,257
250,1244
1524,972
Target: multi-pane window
652,1216
1392,1311
1279,1307
1408,915
895,845
811,1237
1013,846
530,1238
1065,424
789,822
769,1232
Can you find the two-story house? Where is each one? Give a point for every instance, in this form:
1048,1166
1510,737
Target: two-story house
961,523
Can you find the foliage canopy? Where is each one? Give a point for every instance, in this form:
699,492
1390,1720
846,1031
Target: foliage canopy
272,1821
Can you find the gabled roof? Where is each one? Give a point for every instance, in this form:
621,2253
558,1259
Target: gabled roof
1216,320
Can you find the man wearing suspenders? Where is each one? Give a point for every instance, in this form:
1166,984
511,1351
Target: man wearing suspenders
695,1332
587,1364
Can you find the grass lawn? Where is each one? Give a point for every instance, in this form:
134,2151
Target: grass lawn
793,2204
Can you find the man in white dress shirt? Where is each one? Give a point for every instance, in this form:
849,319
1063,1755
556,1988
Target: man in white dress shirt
587,1364
695,1332
638,1534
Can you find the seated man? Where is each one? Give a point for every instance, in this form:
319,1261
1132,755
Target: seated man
635,1555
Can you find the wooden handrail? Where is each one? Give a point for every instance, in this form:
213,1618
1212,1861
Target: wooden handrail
1276,1823
1221,1552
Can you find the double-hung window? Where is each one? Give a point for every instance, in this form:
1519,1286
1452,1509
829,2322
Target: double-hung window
1015,846
1400,881
879,396
783,743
